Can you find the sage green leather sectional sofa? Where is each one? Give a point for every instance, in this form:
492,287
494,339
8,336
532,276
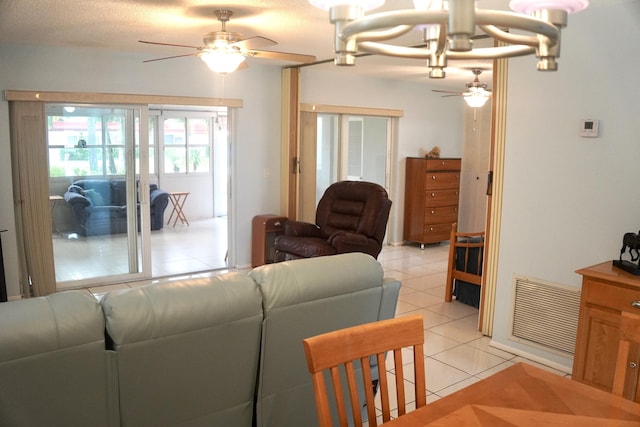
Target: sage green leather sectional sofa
216,351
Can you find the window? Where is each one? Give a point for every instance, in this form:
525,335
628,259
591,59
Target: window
187,145
88,141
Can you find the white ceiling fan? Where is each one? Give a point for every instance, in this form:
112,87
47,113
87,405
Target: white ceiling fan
225,51
476,94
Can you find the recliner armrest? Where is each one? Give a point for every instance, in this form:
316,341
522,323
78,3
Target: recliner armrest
299,228
348,238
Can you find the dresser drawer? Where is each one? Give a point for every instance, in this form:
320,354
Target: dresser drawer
444,164
437,215
442,180
609,296
437,232
437,198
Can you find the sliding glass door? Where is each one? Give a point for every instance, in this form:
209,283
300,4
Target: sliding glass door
98,192
338,147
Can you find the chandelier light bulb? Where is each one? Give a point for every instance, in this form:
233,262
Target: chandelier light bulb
530,6
364,4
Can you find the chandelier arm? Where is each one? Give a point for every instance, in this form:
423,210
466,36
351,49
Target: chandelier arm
400,18
384,34
420,53
493,52
395,18
497,33
394,50
503,19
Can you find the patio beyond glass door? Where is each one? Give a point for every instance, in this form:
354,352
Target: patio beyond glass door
96,210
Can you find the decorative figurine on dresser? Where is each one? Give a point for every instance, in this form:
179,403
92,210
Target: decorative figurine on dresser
629,259
432,188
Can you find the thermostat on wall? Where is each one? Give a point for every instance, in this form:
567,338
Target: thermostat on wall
589,128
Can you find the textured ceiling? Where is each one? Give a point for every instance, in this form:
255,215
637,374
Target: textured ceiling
118,24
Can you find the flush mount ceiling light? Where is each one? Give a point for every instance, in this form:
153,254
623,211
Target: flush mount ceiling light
448,29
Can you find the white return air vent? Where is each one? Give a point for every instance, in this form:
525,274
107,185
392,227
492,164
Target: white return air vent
545,315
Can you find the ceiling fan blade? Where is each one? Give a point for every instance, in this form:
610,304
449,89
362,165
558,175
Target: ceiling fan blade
170,57
168,44
447,96
254,43
446,91
283,56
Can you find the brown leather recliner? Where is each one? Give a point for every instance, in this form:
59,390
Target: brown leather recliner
351,217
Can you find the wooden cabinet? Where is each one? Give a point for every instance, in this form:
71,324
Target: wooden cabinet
607,292
264,229
432,188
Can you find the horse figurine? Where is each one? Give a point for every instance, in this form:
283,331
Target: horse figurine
631,242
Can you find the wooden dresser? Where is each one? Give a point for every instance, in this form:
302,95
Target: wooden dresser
606,292
432,188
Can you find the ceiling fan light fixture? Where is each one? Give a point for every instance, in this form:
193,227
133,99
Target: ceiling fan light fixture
222,62
476,99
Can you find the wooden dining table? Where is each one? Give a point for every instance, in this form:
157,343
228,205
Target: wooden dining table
525,395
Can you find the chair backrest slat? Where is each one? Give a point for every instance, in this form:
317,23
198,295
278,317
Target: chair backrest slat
468,242
342,352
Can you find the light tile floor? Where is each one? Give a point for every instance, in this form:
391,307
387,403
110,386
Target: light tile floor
456,353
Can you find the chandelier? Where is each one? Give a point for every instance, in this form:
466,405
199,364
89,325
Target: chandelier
448,29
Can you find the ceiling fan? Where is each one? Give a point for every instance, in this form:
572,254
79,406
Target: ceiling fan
476,94
225,51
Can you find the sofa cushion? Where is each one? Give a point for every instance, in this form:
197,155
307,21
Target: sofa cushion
101,186
53,367
187,351
303,298
94,197
119,192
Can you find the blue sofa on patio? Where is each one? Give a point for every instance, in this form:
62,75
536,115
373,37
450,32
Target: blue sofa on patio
100,206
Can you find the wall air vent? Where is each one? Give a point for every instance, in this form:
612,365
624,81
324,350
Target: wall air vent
545,315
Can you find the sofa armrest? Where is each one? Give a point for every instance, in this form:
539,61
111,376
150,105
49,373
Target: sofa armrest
76,199
299,228
157,195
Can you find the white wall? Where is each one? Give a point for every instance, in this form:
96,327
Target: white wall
568,200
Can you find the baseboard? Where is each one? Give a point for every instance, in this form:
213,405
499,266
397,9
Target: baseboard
557,366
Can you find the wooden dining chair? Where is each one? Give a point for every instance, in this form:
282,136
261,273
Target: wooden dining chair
465,259
626,382
344,352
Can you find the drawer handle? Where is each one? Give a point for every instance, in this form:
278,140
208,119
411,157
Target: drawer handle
433,177
635,304
633,365
433,194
